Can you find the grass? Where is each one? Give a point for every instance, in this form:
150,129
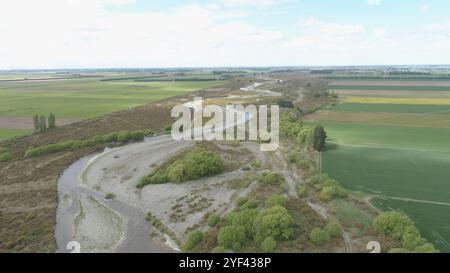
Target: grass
387,87
392,108
388,136
9,133
86,98
402,173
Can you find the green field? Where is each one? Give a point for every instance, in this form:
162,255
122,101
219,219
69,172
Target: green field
403,167
388,136
417,177
392,108
8,133
393,88
86,98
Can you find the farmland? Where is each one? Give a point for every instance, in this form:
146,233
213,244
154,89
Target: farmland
78,98
394,148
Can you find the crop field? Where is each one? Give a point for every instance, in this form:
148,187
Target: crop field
389,87
396,150
393,108
410,101
85,97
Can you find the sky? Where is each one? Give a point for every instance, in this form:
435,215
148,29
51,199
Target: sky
52,34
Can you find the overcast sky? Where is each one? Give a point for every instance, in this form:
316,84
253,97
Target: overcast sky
182,33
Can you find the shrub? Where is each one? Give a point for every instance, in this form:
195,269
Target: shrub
219,249
241,201
193,239
213,220
156,178
230,235
149,133
123,136
271,178
333,229
268,245
88,143
319,236
137,135
392,224
196,164
330,192
276,200
99,139
398,226
176,173
112,137
201,163
110,196
302,191
5,157
4,150
275,222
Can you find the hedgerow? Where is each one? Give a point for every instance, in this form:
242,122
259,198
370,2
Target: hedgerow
123,137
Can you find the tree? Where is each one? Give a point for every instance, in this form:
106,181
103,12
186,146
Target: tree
319,138
319,236
42,124
51,121
36,123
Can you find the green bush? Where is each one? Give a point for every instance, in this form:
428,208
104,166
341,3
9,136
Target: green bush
193,239
213,220
4,150
268,245
276,200
176,172
196,164
123,136
5,157
319,236
230,235
219,249
398,226
333,229
302,191
271,178
330,192
275,222
110,196
112,137
137,135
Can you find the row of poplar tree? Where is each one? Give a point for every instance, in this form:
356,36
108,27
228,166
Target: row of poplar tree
42,124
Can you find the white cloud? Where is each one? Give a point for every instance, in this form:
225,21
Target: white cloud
379,33
374,2
443,27
254,3
85,33
425,8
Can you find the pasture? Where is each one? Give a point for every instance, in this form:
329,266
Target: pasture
395,149
71,98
